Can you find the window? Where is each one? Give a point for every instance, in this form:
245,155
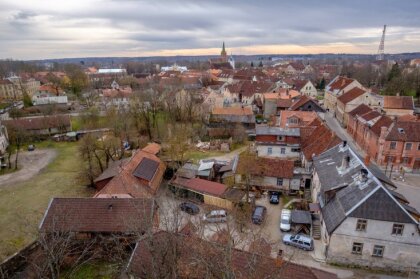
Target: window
361,225
293,120
282,150
408,146
397,229
378,251
357,248
280,138
392,145
295,149
279,181
390,159
270,150
406,160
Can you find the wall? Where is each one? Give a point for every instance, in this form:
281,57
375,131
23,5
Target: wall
276,151
401,252
219,202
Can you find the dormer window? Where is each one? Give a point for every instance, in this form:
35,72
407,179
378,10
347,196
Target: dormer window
293,120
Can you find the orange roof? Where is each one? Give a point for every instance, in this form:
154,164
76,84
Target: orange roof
126,183
398,102
152,148
233,111
305,117
351,95
340,83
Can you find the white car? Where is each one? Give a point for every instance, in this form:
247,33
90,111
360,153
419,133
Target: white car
285,220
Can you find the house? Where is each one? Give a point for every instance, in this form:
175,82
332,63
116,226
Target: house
278,100
195,258
41,126
399,145
246,91
306,103
294,68
296,119
137,177
48,94
398,105
277,142
88,217
306,87
337,87
362,222
25,84
224,121
267,173
347,102
8,91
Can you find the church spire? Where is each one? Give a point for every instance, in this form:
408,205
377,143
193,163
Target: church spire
223,53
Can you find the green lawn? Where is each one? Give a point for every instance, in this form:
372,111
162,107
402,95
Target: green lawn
22,205
94,270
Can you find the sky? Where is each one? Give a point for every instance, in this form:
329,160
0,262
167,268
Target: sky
41,29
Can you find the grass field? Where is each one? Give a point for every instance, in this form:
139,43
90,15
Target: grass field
23,205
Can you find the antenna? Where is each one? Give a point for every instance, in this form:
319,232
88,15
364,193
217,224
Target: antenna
381,48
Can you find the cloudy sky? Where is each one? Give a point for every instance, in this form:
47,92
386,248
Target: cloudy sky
36,29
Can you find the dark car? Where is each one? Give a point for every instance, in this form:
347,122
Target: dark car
274,197
189,207
259,214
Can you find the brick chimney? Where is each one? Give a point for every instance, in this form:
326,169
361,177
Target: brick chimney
367,160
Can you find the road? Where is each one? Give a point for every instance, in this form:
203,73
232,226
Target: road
30,164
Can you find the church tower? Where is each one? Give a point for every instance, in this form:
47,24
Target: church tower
223,54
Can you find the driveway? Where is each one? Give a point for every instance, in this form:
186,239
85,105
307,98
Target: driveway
30,164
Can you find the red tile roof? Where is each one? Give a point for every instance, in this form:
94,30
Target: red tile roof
284,103
196,257
340,83
125,183
325,139
259,166
152,148
351,95
233,111
359,110
201,185
370,115
404,131
98,215
248,88
384,121
305,117
40,123
398,102
302,101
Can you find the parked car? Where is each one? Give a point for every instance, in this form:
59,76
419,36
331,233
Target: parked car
285,220
300,241
274,197
189,207
215,216
259,214
31,147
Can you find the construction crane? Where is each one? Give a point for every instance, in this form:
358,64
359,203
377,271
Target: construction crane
381,48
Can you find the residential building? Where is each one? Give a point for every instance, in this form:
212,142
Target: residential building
48,94
138,177
296,119
337,87
398,105
363,223
277,142
267,173
306,103
347,102
224,121
41,126
279,100
25,84
8,91
306,87
246,91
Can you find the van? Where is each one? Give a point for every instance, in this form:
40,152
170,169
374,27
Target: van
285,220
215,216
300,241
259,214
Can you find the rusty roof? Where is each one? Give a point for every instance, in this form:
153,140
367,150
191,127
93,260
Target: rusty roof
270,167
398,102
351,95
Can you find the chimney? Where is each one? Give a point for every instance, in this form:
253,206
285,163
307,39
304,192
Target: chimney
344,143
367,160
363,175
345,163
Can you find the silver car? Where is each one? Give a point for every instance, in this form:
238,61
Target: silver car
300,241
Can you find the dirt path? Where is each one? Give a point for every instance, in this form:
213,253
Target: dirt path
30,164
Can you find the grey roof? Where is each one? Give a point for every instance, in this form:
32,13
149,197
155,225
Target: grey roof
301,217
112,170
368,199
277,131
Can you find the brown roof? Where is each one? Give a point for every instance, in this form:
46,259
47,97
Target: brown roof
408,117
201,186
284,103
50,89
98,215
248,88
152,148
359,110
398,102
302,101
126,183
404,131
384,121
232,111
299,84
340,83
113,169
197,258
325,139
39,123
297,66
370,115
305,117
351,95
265,166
